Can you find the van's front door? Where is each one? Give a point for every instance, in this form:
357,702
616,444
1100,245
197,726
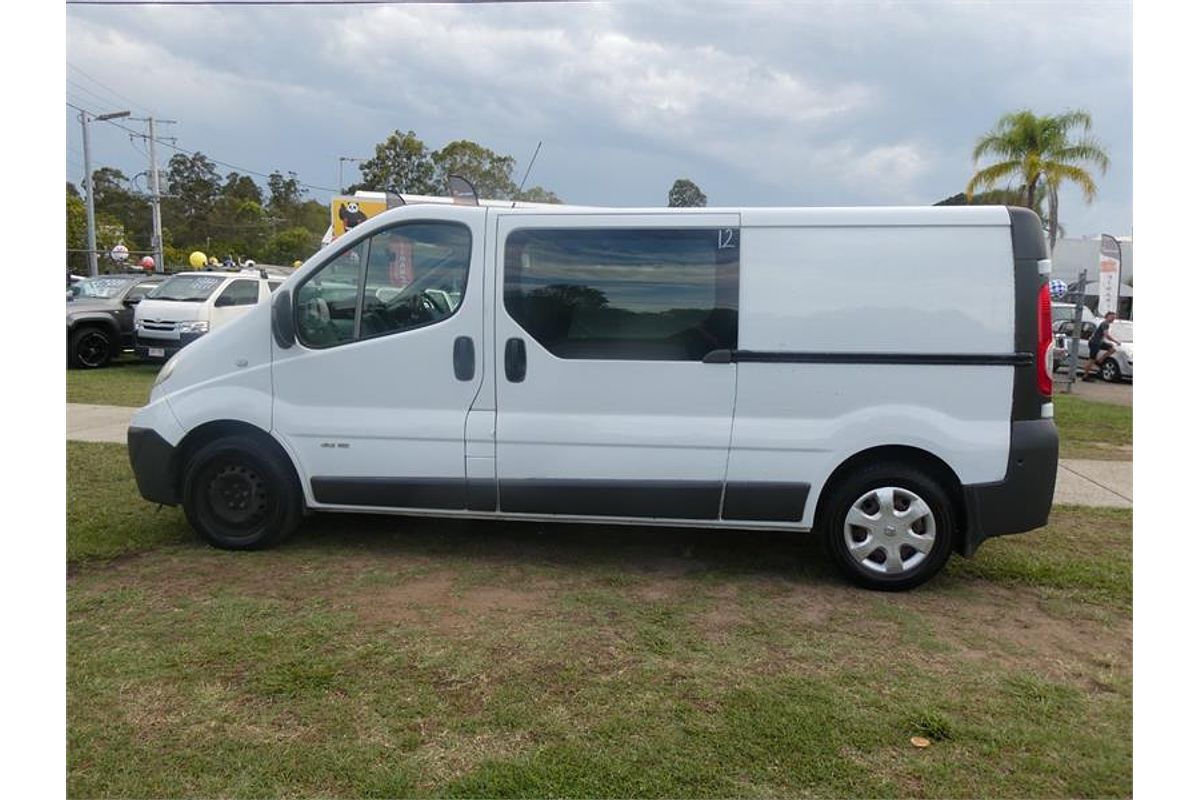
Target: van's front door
605,404
373,397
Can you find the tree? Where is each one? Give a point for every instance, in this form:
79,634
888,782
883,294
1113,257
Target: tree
241,187
402,165
195,185
286,194
536,194
489,172
77,261
685,194
291,244
1040,153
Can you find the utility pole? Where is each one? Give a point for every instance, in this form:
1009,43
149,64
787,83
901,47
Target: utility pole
156,243
342,160
93,265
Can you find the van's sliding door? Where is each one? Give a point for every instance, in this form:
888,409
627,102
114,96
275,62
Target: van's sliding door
605,404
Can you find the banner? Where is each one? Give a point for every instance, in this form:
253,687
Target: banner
347,212
1110,276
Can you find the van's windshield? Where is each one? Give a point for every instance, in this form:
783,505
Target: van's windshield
186,288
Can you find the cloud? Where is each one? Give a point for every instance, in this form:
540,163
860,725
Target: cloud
764,102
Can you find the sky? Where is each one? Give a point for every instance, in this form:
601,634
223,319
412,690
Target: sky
759,103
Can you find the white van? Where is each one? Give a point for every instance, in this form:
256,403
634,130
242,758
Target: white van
878,375
188,305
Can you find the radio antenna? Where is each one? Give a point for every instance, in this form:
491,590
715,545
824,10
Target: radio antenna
521,188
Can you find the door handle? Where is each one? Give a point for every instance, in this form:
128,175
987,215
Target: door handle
464,358
514,360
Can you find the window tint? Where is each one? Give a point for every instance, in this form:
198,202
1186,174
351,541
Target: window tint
273,285
402,278
634,293
240,293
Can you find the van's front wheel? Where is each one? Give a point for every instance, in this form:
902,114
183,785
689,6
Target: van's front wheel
889,527
238,495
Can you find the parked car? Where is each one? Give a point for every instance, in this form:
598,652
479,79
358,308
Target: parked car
190,304
1066,311
100,316
1118,365
583,364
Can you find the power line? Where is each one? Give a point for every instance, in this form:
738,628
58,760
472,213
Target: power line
104,101
184,150
114,92
306,2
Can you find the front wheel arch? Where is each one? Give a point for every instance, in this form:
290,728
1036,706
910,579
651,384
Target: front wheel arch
211,431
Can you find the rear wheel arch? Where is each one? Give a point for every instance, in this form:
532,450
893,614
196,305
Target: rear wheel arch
922,460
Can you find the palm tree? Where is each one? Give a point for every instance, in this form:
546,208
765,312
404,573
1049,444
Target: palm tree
1040,155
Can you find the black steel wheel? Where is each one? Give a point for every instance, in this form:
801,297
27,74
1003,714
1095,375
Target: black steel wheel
90,348
240,494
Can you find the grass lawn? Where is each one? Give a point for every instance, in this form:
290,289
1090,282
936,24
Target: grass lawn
1088,429
379,656
124,382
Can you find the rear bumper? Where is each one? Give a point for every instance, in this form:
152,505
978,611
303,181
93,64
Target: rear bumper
1021,502
153,462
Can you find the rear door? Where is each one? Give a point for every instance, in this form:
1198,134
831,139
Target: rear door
605,406
373,397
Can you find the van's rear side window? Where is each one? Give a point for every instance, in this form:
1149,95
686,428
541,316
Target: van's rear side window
625,293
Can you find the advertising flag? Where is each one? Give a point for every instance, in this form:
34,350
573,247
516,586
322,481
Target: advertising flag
1110,275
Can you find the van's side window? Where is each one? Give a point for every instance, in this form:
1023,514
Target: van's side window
416,275
630,293
327,302
239,293
404,277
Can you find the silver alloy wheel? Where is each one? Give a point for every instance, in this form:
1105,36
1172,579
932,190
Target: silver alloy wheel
889,530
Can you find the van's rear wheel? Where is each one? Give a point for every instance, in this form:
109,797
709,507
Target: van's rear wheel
239,495
889,526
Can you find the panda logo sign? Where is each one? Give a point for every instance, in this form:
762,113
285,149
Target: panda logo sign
349,212
351,215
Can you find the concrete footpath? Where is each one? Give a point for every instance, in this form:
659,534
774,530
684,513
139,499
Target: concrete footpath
1082,482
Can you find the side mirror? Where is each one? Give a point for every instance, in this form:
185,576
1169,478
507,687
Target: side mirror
134,299
283,325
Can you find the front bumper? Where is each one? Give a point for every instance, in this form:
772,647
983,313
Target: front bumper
143,344
1020,502
154,465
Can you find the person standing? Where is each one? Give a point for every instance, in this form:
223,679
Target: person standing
1100,346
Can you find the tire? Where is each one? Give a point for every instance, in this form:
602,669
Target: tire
910,549
1110,371
90,347
239,493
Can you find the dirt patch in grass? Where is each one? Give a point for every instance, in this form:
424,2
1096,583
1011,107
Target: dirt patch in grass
368,657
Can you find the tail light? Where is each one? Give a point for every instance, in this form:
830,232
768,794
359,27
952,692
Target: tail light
1045,350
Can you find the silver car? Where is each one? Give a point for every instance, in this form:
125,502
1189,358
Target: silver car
1119,364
